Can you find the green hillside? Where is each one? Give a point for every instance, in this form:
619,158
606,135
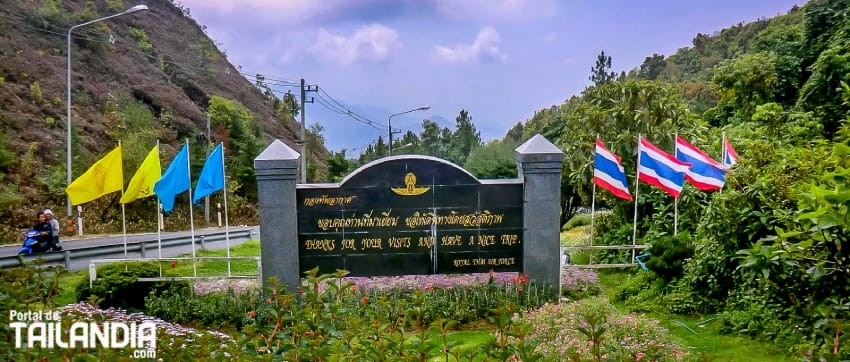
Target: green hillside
768,253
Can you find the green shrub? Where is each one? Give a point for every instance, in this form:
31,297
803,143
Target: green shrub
641,292
115,5
141,39
117,285
35,92
668,256
579,257
48,11
31,287
214,310
592,330
578,220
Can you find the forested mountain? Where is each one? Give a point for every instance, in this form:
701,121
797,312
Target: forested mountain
136,78
768,254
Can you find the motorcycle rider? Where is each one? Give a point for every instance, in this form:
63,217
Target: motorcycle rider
54,225
45,238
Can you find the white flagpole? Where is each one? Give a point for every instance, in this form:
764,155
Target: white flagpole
593,204
226,223
158,217
637,187
676,199
191,215
123,214
723,157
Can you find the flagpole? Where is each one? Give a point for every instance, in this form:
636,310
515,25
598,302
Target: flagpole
723,155
158,218
676,199
592,217
226,223
592,210
123,213
637,188
191,215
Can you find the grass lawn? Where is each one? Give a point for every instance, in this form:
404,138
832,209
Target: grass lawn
219,268
702,335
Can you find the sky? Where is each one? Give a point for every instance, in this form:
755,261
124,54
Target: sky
501,60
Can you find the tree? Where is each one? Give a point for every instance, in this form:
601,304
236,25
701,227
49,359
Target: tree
744,83
493,160
652,67
617,112
515,133
822,91
599,74
288,107
234,124
430,137
464,139
338,166
409,138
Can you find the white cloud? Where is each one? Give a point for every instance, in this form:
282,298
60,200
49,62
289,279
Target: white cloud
484,48
287,9
496,10
372,43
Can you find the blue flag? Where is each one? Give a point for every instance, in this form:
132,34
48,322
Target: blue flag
175,180
212,175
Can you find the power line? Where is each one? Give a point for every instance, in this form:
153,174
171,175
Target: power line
324,98
337,106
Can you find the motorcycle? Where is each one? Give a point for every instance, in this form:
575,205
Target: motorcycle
33,244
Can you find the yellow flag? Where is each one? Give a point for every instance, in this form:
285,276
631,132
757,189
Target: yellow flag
141,185
105,176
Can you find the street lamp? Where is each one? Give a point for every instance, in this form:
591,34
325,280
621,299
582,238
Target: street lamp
68,103
403,146
390,125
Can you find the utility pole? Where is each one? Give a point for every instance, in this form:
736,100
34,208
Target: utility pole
304,90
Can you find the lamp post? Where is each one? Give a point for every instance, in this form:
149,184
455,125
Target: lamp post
404,145
68,102
390,125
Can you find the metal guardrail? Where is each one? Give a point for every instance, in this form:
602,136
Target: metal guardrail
141,247
93,263
595,248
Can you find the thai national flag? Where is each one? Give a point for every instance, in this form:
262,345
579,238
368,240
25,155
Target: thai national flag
705,173
660,169
730,157
608,172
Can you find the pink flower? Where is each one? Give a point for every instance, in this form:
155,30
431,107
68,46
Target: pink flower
639,356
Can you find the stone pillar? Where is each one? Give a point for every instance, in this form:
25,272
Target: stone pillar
539,164
277,169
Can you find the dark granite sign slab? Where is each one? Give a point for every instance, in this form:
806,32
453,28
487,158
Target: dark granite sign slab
410,215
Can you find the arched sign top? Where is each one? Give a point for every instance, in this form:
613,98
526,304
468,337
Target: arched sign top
408,174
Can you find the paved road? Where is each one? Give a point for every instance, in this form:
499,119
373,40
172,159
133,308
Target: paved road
94,242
